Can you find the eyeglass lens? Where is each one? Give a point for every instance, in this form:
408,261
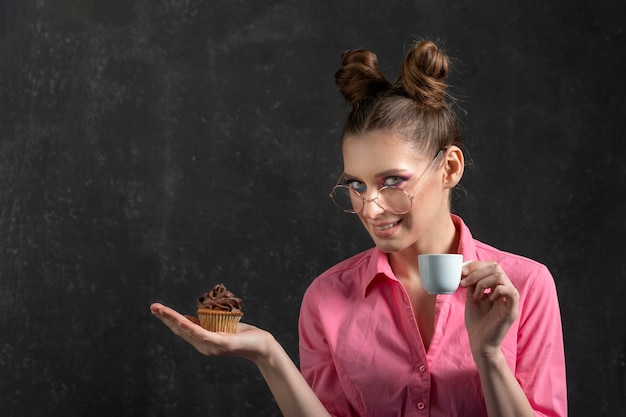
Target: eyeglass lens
391,199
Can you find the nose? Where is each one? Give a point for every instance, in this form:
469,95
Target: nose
371,208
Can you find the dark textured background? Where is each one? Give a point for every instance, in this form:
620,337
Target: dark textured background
152,148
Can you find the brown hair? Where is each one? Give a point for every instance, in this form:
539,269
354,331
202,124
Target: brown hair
416,105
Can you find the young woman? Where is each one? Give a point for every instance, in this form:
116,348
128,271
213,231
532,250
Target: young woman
373,342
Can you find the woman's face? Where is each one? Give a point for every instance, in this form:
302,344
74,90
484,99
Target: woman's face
379,158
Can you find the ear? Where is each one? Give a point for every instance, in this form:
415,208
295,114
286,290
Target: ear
453,166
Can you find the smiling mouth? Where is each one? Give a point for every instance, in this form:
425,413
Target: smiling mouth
388,226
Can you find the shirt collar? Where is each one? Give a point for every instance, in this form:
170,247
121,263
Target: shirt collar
379,267
467,244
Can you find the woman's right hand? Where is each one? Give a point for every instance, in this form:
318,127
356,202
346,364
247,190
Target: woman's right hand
292,393
249,342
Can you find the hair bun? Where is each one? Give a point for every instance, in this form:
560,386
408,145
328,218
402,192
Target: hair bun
423,75
360,77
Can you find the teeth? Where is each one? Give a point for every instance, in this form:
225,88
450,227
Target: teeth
389,226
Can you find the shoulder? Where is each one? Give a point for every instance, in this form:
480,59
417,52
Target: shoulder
522,271
539,303
343,278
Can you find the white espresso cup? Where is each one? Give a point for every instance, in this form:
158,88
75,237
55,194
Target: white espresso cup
441,273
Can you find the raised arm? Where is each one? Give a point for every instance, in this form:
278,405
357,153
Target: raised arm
537,388
488,317
292,393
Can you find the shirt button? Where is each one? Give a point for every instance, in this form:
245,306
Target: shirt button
422,368
421,405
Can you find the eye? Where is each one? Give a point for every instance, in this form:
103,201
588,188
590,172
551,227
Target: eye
356,185
394,181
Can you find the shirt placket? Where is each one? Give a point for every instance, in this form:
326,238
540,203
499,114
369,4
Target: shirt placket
421,386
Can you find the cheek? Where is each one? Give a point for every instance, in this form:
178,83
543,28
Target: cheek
427,203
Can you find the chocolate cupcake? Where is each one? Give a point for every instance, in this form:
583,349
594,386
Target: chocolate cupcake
219,310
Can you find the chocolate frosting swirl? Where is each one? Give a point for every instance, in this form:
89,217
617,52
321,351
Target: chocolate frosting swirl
219,298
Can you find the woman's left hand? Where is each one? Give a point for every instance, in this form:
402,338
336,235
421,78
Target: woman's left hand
491,306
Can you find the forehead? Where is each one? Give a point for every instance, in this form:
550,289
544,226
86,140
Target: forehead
379,151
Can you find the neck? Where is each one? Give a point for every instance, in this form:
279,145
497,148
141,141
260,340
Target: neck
441,237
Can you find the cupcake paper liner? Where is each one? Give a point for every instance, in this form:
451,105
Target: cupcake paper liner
219,321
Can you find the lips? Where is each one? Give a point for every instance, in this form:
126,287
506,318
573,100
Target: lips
387,226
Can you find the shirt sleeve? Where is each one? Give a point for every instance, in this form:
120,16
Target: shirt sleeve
540,364
316,360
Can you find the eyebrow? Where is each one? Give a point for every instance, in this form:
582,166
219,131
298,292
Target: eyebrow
382,174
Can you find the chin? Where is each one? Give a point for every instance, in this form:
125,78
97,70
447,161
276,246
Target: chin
388,246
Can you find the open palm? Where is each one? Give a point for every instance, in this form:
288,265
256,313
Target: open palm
248,342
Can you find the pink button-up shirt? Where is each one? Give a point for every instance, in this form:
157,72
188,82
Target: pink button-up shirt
361,350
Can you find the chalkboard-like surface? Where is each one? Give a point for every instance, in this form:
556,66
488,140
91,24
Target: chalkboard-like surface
152,148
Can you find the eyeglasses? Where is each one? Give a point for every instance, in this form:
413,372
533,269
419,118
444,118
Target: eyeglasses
390,198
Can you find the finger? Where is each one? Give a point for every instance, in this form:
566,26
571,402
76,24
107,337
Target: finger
176,324
160,311
193,319
168,315
467,267
502,291
508,297
155,307
203,340
179,324
487,277
163,312
475,271
488,283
